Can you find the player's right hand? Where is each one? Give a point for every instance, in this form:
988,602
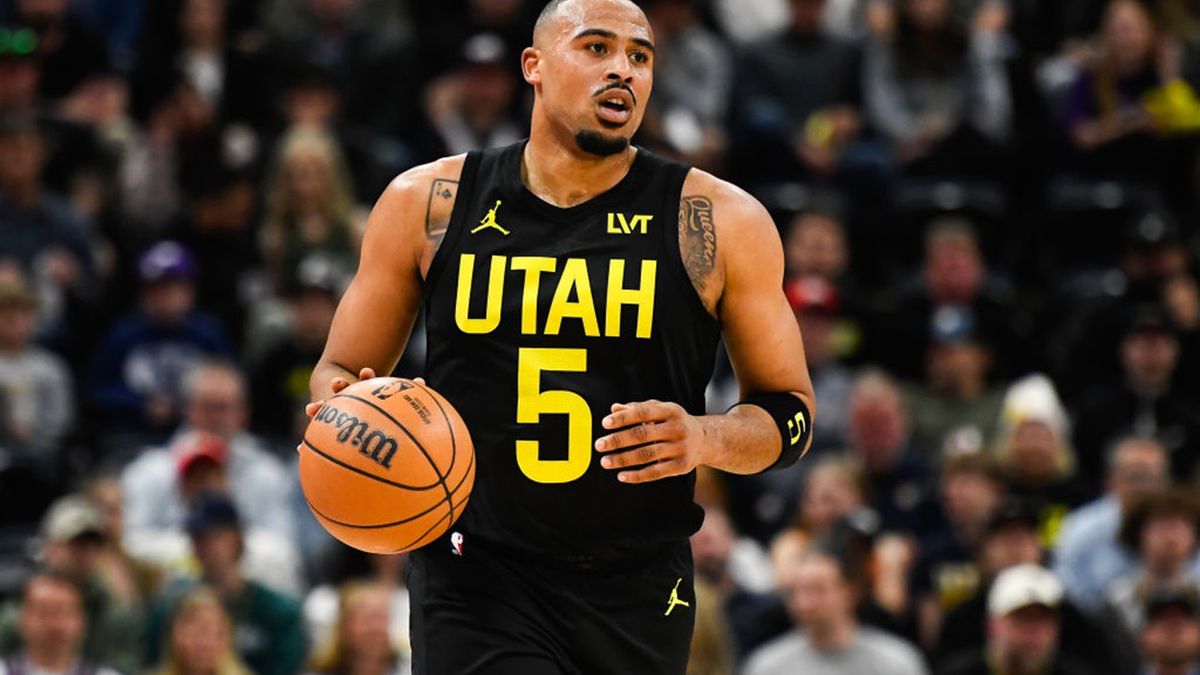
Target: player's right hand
339,383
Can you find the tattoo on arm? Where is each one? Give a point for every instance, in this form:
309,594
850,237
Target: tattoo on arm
697,238
441,204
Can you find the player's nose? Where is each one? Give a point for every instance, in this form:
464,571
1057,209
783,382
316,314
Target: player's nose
620,68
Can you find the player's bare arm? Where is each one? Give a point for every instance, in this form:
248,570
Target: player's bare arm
733,255
376,314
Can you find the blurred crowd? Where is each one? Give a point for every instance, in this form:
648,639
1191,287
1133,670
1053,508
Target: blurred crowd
988,213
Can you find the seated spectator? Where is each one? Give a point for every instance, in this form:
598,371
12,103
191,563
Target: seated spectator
73,548
201,639
816,305
1146,402
384,572
1011,541
280,378
1089,556
131,580
268,630
754,616
835,487
310,207
138,372
1024,628
37,402
1163,528
1170,638
894,470
160,485
471,107
938,94
52,627
955,397
1033,450
796,99
821,599
946,572
362,643
711,650
70,51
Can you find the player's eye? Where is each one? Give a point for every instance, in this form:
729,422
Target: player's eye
596,47
639,57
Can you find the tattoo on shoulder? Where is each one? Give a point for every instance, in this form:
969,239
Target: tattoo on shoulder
697,238
441,204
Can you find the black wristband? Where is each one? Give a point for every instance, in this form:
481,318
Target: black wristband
792,418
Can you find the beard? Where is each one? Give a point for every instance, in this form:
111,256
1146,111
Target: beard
601,145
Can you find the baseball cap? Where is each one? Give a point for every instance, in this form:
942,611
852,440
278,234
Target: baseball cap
317,272
952,324
199,447
1178,598
483,49
211,511
166,261
1152,229
72,517
811,294
1014,510
1023,586
1148,318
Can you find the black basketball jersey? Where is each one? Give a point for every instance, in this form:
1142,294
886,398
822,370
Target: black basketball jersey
538,319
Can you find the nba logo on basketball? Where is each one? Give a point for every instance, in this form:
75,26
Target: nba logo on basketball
456,542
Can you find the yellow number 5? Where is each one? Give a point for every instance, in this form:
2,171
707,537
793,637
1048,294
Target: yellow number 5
532,403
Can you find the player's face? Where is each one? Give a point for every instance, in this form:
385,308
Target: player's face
593,72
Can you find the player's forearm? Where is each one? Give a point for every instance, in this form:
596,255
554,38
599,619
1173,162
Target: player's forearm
320,385
744,440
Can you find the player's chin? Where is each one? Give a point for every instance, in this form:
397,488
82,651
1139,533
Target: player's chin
601,143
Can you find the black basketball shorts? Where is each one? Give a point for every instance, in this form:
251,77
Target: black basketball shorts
477,609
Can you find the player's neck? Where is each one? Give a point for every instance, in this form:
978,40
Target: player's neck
566,176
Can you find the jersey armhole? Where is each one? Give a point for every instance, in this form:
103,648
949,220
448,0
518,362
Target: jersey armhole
466,183
671,234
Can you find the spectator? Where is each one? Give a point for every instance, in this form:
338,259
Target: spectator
268,631
940,96
310,207
130,579
815,245
835,487
471,108
1170,639
711,650
73,547
42,231
1164,529
816,305
69,51
753,615
361,643
1146,402
796,110
1033,449
694,73
896,475
1023,628
279,380
821,598
201,639
1089,556
52,625
322,607
35,388
955,398
137,375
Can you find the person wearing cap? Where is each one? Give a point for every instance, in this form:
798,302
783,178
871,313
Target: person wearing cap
268,627
1163,529
816,304
955,396
1011,540
52,626
822,596
1033,447
73,543
472,106
1170,636
1023,629
1146,400
137,374
1089,556
36,397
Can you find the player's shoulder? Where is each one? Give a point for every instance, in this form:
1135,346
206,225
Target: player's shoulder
731,207
416,205
419,180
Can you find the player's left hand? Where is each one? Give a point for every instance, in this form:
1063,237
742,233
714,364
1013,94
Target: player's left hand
661,438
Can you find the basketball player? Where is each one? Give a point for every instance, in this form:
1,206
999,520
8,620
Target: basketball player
575,288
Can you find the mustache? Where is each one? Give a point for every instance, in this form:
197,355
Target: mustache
617,85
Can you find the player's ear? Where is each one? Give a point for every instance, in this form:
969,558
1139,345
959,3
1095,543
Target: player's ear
531,65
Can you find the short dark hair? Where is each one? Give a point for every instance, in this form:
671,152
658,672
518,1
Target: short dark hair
1164,503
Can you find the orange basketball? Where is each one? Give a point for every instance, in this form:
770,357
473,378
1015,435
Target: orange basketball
387,465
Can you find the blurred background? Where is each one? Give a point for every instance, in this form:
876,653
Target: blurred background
989,213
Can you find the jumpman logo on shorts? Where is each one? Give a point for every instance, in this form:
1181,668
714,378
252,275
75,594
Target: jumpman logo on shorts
674,599
490,221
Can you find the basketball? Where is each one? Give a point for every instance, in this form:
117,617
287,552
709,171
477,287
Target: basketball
387,465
